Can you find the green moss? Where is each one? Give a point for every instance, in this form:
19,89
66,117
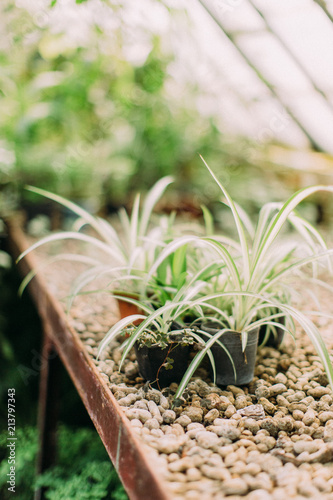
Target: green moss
83,469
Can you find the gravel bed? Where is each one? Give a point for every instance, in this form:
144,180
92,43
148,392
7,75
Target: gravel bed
270,440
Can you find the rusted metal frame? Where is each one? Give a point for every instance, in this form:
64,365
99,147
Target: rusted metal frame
124,449
295,59
48,409
315,145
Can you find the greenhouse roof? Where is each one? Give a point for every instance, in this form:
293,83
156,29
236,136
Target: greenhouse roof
265,68
277,67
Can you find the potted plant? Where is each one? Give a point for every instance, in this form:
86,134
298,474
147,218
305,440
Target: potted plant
185,282
127,249
254,290
250,290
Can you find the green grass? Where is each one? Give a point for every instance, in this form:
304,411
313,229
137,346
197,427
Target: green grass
83,469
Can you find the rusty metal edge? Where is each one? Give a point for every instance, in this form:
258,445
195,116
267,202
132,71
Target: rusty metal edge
124,449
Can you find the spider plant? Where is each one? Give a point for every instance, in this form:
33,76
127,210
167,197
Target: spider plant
251,289
127,255
255,286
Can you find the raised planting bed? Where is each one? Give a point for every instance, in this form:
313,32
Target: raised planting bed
215,444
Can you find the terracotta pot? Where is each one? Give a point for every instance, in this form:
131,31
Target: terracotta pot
244,361
127,309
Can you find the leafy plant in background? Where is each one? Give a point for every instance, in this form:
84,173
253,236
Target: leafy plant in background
127,256
83,121
89,124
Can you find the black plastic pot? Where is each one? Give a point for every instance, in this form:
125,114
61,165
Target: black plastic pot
151,361
244,361
274,338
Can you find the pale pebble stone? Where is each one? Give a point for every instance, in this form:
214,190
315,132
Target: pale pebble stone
298,406
194,413
252,425
223,428
322,484
252,468
172,457
328,431
261,481
157,432
110,367
195,425
282,401
234,486
280,494
226,450
177,478
104,377
207,439
170,444
154,410
164,402
180,465
193,474
236,391
309,417
306,446
270,425
131,370
136,423
183,420
128,400
211,415
308,490
230,411
255,412
241,401
259,495
319,391
286,423
223,403
138,413
238,469
277,389
169,416
177,429
327,398
123,388
280,378
295,397
221,474
298,415
152,423
325,416
231,459
262,392
268,406
141,404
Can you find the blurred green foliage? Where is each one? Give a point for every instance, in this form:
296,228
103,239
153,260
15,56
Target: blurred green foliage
83,469
87,123
82,119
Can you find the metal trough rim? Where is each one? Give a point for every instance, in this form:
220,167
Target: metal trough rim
127,454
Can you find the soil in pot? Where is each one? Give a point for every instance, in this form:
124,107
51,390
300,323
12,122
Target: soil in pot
244,361
153,366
